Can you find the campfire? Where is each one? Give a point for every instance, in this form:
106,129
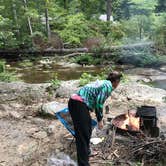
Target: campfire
127,122
143,120
145,146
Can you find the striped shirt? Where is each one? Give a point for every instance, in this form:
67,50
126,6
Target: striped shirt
95,94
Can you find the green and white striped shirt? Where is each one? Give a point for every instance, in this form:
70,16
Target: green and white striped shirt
95,94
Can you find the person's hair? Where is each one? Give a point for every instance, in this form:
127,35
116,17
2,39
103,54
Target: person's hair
114,76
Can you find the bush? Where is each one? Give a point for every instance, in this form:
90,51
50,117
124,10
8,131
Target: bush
55,82
87,59
76,30
116,33
85,79
2,66
84,59
7,40
160,32
6,76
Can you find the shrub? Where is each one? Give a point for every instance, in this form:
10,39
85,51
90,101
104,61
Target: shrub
76,30
2,66
84,59
85,79
6,76
55,82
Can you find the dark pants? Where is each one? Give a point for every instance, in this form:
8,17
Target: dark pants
82,126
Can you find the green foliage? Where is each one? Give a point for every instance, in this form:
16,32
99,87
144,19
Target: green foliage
161,6
26,63
6,76
86,78
164,99
76,30
86,59
77,20
7,38
137,27
159,29
55,82
124,78
116,32
2,66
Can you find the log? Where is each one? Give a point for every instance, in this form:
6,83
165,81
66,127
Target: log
64,51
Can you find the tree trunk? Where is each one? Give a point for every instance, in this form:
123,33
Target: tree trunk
47,23
29,21
109,10
15,17
65,4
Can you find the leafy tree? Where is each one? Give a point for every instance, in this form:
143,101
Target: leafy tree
76,30
161,6
121,9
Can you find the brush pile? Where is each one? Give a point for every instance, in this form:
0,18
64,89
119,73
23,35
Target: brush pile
147,150
126,150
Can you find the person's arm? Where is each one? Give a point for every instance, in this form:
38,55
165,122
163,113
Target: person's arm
102,96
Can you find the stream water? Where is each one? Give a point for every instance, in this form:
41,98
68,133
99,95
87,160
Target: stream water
37,72
159,84
40,71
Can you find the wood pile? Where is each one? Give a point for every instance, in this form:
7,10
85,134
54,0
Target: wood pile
128,150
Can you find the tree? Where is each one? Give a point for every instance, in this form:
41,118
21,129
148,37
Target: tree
28,19
47,20
109,13
161,6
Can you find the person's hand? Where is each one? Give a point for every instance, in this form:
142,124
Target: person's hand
100,125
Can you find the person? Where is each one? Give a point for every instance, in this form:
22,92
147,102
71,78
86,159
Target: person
90,97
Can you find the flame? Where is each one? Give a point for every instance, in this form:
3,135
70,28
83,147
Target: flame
130,123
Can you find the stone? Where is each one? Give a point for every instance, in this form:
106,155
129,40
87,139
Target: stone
52,107
31,131
163,68
27,148
40,135
67,88
15,115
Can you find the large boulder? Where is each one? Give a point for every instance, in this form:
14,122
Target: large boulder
137,92
23,92
67,88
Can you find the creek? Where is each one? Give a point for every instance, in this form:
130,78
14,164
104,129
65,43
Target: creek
43,70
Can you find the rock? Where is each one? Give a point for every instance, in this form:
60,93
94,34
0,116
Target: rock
161,115
31,131
40,135
38,121
60,159
145,74
52,107
27,148
22,92
15,115
163,68
51,128
69,65
67,88
4,109
139,92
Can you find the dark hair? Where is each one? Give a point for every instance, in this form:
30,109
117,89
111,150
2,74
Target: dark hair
114,76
